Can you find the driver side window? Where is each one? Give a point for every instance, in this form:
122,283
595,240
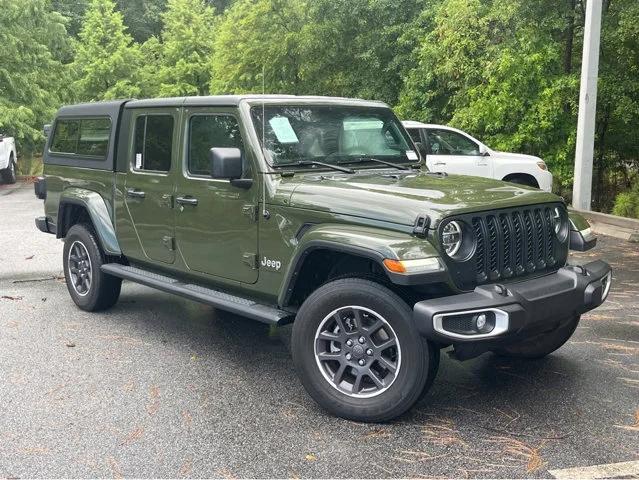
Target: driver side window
206,132
447,142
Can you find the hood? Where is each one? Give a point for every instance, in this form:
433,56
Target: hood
400,197
521,157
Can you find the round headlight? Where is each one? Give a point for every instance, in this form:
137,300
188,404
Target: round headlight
452,238
560,223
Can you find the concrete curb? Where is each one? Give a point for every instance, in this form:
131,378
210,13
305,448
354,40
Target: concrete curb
612,225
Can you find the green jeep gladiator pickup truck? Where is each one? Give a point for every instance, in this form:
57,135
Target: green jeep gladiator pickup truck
317,211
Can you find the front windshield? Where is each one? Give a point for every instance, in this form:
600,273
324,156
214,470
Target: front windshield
334,134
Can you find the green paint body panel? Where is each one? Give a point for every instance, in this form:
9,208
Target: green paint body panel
151,217
93,189
247,241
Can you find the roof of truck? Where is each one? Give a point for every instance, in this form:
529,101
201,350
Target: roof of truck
235,100
112,107
109,108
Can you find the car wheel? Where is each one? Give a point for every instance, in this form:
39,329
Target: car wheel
89,287
9,174
543,344
358,353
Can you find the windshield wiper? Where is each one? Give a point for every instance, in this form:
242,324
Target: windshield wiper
376,160
304,163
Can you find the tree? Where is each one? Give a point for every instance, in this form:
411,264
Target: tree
506,80
358,48
106,59
73,12
323,47
617,126
257,35
33,77
143,18
187,47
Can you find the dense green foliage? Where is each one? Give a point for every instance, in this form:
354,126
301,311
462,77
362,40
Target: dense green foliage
106,58
627,203
33,78
505,70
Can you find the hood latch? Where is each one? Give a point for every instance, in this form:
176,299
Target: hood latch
422,222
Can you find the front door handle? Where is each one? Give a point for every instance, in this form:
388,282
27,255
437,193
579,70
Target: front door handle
132,192
439,163
186,201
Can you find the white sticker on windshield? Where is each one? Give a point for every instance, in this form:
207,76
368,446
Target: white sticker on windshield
138,161
411,155
283,130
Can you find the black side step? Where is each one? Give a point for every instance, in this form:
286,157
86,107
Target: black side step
221,300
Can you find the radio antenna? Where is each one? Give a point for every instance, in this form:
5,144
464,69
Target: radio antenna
265,212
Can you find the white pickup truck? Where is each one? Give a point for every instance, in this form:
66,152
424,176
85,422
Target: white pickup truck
451,150
8,159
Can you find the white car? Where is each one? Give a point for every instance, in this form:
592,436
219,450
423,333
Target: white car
8,159
451,150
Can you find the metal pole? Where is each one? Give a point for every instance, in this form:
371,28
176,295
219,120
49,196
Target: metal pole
582,187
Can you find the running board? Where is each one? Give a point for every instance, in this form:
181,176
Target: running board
217,299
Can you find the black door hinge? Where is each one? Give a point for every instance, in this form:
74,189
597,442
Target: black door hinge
250,211
166,200
250,259
422,222
168,242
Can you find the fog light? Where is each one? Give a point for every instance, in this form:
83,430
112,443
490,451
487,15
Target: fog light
484,322
480,321
488,322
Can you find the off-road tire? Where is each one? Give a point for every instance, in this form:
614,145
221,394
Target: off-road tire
543,344
415,369
9,173
104,290
434,352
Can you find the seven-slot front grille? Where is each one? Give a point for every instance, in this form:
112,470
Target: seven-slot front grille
510,243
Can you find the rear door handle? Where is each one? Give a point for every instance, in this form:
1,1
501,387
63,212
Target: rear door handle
186,201
439,163
132,192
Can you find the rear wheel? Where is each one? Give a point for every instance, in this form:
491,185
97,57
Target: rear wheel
543,344
9,174
358,353
89,287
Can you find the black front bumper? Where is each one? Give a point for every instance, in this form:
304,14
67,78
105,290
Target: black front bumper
531,307
43,224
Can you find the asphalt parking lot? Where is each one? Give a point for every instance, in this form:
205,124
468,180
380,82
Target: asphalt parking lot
163,387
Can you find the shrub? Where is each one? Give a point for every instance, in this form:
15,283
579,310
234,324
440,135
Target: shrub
627,203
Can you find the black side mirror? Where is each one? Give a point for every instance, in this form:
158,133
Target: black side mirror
226,163
421,148
46,129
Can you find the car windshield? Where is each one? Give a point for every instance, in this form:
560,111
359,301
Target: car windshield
333,134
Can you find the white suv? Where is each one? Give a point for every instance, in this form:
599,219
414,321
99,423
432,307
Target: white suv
453,151
8,159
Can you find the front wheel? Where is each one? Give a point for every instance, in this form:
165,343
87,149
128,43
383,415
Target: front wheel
358,353
543,344
89,287
9,174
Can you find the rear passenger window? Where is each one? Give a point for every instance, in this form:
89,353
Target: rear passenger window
209,131
88,137
94,137
153,142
